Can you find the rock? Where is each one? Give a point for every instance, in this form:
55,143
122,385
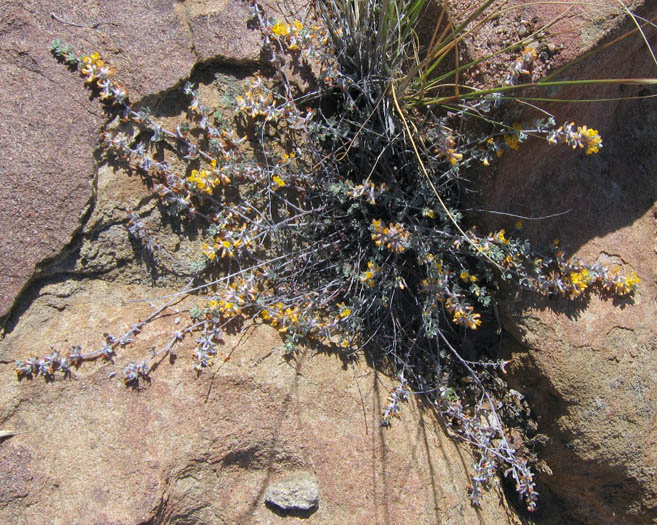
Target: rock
49,128
296,492
47,136
589,370
203,449
217,29
577,27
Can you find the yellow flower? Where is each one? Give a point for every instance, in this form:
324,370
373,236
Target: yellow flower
280,29
343,311
298,26
473,321
278,180
512,141
208,252
631,282
453,157
591,139
500,237
580,280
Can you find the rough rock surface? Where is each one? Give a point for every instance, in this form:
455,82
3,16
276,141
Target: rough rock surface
188,449
204,449
561,32
49,130
590,370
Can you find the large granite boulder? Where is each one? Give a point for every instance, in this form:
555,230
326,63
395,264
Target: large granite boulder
589,369
49,129
205,449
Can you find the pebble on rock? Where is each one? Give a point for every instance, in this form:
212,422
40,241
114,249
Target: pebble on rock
297,492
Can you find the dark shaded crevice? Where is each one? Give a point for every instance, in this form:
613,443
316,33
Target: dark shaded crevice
172,101
291,513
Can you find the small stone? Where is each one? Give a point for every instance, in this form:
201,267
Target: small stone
522,31
297,492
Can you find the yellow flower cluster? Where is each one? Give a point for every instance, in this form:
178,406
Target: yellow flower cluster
206,180
512,139
631,282
573,279
225,308
582,137
260,100
296,36
490,150
281,316
447,148
241,293
590,139
439,275
522,66
367,190
283,29
224,247
367,277
343,311
394,236
499,237
624,286
96,71
308,43
463,314
93,65
580,281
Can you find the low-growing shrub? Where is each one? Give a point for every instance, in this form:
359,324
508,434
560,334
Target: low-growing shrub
341,220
